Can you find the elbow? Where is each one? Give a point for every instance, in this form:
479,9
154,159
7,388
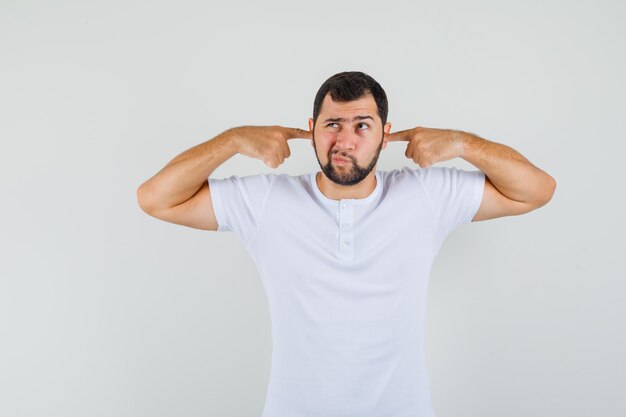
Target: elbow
546,193
551,188
142,199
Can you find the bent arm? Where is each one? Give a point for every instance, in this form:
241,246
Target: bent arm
184,175
510,172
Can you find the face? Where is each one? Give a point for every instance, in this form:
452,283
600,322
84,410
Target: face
348,138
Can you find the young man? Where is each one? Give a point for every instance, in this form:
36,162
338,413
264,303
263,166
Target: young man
344,254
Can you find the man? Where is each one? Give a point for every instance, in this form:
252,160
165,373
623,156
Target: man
344,254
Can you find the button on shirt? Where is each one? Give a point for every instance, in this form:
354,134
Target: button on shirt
346,282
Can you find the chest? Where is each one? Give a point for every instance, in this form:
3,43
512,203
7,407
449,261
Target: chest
400,224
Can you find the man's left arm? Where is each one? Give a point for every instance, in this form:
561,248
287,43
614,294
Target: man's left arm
513,185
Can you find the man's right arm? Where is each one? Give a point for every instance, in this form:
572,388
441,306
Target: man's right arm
179,193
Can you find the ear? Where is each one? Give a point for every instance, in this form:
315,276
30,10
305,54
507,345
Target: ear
311,129
386,130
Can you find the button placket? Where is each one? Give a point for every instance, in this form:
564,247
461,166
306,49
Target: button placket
346,232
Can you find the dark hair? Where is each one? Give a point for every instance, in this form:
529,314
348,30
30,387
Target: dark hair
349,86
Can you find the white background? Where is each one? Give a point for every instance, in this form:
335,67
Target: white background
105,311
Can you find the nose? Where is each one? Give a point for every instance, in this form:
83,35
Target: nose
345,141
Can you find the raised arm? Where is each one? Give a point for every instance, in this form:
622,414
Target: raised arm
179,193
513,185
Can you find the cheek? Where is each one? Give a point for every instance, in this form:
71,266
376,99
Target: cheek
324,143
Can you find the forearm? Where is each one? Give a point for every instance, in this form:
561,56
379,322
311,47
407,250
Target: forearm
184,175
508,170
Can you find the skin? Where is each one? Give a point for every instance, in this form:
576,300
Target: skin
513,185
179,192
360,141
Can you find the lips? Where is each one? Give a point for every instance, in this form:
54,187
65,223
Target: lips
340,159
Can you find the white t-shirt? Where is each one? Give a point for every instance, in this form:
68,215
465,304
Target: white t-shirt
346,282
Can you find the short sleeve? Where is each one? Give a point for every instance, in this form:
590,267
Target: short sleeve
455,195
238,202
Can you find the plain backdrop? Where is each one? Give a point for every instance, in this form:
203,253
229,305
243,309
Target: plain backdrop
106,311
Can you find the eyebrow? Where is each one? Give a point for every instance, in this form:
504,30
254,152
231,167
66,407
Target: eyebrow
342,119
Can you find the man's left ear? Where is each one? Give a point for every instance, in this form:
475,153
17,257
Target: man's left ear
311,129
386,130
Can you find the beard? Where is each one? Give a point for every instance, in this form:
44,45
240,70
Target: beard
349,173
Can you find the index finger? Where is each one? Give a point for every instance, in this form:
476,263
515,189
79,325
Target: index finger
399,136
294,132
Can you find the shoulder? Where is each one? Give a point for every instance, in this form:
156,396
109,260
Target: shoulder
445,176
287,180
408,174
250,179
397,173
437,181
417,172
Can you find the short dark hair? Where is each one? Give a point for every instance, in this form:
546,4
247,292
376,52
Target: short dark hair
349,86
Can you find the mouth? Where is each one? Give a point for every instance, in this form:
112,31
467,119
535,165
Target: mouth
340,160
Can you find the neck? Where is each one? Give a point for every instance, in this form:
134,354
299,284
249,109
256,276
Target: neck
341,192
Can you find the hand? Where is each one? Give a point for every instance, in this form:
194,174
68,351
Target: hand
267,143
427,146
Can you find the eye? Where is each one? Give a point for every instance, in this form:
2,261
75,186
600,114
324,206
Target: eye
364,124
329,124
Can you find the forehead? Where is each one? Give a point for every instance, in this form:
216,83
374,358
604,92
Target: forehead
365,105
